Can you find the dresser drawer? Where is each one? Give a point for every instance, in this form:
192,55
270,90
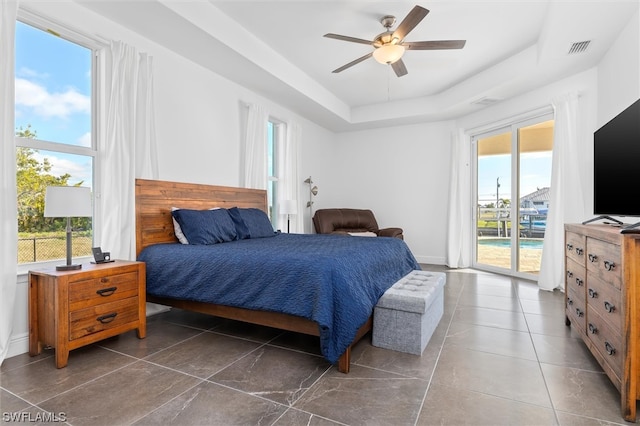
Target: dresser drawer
576,278
575,247
603,259
576,311
606,300
91,292
606,341
102,317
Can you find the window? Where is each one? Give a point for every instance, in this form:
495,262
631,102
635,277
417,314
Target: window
55,133
513,179
274,133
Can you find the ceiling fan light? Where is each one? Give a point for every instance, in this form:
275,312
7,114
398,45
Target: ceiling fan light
388,54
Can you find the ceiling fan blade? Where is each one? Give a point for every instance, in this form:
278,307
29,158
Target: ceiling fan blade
347,38
434,45
354,62
399,68
410,21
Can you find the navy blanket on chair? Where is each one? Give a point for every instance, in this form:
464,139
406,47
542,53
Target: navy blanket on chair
332,280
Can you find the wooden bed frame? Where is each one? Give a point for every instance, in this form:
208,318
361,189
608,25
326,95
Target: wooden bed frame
154,225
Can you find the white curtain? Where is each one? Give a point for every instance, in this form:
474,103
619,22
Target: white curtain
129,148
8,207
567,202
146,147
288,186
255,148
459,226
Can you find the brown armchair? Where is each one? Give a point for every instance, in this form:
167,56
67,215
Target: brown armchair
344,221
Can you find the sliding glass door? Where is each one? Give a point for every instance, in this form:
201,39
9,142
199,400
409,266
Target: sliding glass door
513,176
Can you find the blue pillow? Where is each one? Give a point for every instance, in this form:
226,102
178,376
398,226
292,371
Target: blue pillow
203,227
242,231
255,221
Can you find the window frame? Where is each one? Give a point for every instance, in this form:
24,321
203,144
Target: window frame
513,125
56,29
277,134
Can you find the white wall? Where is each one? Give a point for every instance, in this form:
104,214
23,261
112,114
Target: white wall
401,173
619,73
317,156
197,126
198,122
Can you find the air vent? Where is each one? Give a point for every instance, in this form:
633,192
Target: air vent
578,47
485,101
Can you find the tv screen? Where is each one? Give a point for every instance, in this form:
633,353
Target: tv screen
616,165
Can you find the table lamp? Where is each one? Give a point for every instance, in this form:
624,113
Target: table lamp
67,201
288,207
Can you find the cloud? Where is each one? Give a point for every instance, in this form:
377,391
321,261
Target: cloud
79,167
28,72
50,105
85,140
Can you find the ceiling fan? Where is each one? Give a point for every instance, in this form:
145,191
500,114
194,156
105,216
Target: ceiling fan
390,45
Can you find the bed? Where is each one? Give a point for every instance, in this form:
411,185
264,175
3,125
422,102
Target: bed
321,285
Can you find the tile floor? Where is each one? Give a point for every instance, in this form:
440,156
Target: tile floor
500,356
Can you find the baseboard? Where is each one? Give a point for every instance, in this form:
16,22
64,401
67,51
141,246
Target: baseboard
18,345
431,260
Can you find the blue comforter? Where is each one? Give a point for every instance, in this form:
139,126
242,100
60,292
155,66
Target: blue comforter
332,280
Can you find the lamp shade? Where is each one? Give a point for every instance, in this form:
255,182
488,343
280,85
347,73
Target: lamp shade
289,207
67,201
388,53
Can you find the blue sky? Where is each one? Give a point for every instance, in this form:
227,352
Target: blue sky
535,172
53,95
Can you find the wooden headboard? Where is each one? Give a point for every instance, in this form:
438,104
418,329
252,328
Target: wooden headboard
154,199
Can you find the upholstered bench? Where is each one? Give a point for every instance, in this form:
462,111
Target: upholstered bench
407,313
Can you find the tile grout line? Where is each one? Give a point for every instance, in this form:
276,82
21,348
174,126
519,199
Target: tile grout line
535,350
435,366
87,382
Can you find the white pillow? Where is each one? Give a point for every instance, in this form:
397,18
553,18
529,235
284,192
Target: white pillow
176,227
363,234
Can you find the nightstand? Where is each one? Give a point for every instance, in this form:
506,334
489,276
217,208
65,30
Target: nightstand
70,309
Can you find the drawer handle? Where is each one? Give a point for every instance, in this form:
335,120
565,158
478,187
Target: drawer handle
106,319
569,247
593,258
592,293
579,313
609,265
569,301
593,329
104,292
610,349
579,251
609,307
569,274
579,282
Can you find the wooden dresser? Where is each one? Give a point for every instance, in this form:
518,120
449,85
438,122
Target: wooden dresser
602,295
70,309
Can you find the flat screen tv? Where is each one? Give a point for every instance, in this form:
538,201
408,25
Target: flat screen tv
616,165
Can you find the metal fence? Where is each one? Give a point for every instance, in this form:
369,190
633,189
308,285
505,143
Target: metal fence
38,249
497,222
